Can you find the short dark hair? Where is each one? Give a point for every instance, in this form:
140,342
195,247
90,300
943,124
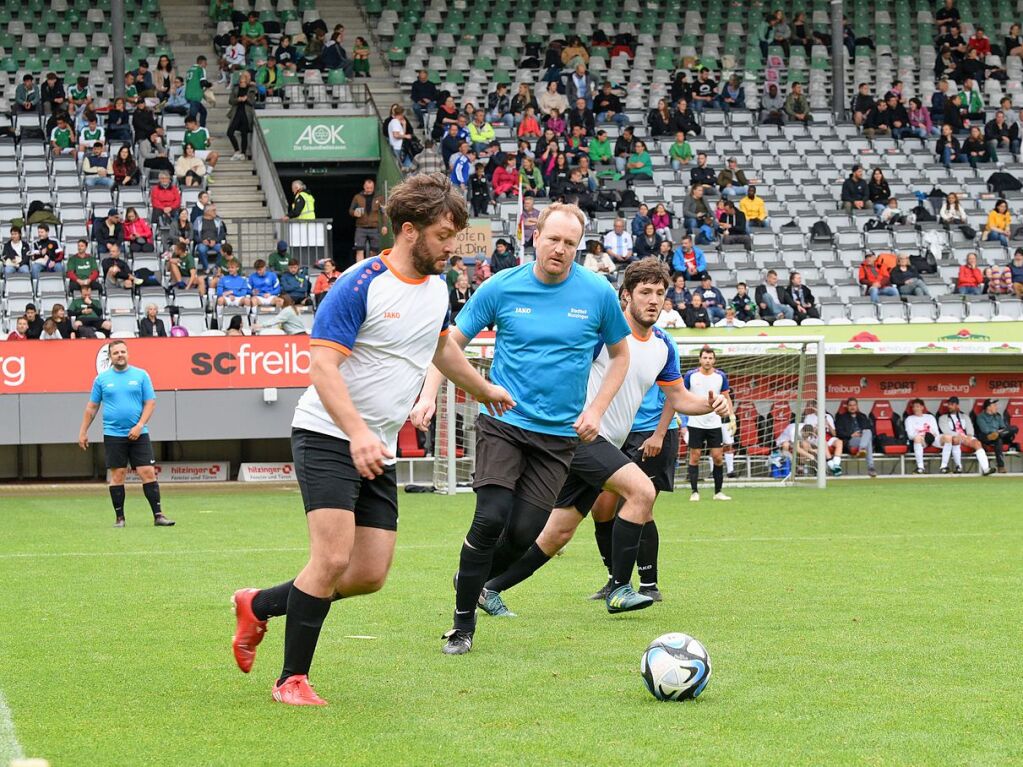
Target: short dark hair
646,270
771,271
259,264
115,342
741,285
424,199
710,351
293,262
851,399
914,401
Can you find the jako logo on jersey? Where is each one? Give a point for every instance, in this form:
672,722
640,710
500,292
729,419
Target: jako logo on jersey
392,315
523,310
579,314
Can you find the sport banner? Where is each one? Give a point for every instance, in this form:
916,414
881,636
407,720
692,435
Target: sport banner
207,362
266,472
183,471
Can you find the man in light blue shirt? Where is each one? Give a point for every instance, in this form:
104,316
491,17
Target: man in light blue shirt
128,400
550,315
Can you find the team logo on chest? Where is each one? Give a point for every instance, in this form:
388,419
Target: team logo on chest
579,314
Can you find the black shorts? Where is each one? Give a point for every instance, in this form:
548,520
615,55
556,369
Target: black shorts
700,438
532,464
660,468
328,480
593,465
121,452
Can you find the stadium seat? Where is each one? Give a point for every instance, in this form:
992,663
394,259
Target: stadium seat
408,442
883,418
751,430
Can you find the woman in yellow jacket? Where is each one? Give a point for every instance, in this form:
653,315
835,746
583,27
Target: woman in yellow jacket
999,222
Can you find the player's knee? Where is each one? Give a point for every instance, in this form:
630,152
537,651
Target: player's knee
555,539
493,508
332,564
644,495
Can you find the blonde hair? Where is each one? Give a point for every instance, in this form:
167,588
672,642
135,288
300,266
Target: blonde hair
561,207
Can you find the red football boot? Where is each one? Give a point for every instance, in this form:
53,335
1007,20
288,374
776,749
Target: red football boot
249,630
296,691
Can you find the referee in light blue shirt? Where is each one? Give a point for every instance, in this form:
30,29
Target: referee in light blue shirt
128,400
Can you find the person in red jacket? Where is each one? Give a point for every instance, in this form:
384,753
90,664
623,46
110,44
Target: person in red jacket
874,278
506,180
971,279
980,43
165,200
137,232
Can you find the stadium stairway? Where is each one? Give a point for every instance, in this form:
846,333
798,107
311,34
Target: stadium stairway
384,88
236,189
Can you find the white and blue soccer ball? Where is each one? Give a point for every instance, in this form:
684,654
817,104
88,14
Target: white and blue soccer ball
675,667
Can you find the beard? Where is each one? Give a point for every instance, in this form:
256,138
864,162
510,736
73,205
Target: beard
424,261
638,316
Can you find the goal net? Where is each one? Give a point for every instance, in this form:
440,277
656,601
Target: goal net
776,384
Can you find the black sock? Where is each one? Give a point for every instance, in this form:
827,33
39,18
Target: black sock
519,570
117,499
493,510
505,554
473,567
305,619
693,472
719,477
625,539
602,532
152,491
646,562
271,602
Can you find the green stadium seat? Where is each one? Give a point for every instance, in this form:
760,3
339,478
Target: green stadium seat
336,77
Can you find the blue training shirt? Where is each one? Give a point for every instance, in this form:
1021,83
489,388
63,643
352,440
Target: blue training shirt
123,395
546,335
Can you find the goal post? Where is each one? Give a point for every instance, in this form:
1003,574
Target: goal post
775,381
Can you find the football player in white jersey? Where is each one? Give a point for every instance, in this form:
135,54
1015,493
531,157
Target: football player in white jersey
601,464
376,333
705,430
832,442
922,430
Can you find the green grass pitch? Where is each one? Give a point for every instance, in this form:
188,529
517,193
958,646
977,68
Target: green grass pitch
873,623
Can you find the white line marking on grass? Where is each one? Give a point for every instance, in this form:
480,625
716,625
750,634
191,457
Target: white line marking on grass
10,748
417,546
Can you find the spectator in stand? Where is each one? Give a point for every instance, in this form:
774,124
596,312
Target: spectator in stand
579,85
920,123
481,133
90,133
233,289
874,278
118,124
551,98
582,116
975,149
449,145
116,270
506,180
16,256
704,91
165,200
922,431
88,314
639,221
26,96
948,148
907,279
702,175
640,165
999,223
199,139
648,243
1016,272
556,124
802,299
997,136
528,219
797,108
62,137
773,300
82,268
688,260
209,234
61,322
201,202
480,196
898,117
669,317
695,314
520,101
743,304
35,322
970,281
459,295
181,231
952,213
264,286
854,191
20,332
946,16
680,87
862,103
155,154
680,153
447,115
151,326
619,244
295,284
733,95
530,125
684,121
730,320
853,429
124,168
456,267
108,230
50,331
461,167
677,293
696,213
755,210
878,191
502,257
499,106
980,43
732,226
176,102
879,121
959,429
424,96
712,299
324,280
625,145
608,107
1013,43
994,432
46,253
598,261
241,115
430,160
954,114
184,275
772,107
732,181
366,208
137,232
531,179
661,219
972,101
659,120
360,57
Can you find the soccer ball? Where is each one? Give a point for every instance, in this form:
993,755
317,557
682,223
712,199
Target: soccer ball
675,667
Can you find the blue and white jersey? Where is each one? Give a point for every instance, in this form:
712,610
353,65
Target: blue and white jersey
123,394
387,327
714,383
546,335
653,361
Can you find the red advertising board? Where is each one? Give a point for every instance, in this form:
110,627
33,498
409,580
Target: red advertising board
208,362
925,385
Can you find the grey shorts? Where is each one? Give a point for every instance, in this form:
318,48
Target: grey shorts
364,236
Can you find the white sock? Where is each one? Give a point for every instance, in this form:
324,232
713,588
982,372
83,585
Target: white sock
729,462
982,459
918,451
957,455
946,451
837,460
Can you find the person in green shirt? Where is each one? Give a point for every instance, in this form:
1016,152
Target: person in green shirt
531,179
62,137
253,32
199,139
360,57
91,133
600,149
131,91
82,268
457,270
680,153
184,274
195,84
278,260
640,165
79,94
268,77
88,314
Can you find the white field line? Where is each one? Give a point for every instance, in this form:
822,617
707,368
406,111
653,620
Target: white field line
415,546
10,749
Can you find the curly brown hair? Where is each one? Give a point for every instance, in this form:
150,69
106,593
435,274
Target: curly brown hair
425,199
643,271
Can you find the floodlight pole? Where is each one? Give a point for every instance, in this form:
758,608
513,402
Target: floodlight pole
837,61
117,45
